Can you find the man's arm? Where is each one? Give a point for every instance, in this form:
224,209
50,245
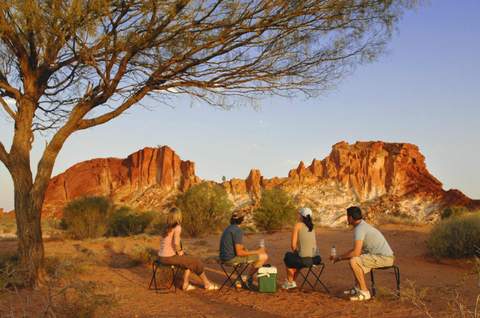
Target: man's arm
355,251
240,250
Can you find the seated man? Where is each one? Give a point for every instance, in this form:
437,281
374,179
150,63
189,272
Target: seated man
370,250
232,250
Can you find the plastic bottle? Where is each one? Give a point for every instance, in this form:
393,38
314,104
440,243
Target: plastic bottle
333,253
262,243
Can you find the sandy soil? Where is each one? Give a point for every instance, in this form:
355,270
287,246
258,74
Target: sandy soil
110,267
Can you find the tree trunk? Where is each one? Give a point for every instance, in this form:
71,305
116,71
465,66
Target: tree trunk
29,231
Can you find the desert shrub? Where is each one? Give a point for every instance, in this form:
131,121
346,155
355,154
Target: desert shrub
87,217
156,226
455,237
142,254
205,208
452,211
397,218
125,222
276,210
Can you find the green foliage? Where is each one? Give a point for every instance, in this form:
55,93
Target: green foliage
205,208
156,226
276,210
453,212
125,221
456,237
87,217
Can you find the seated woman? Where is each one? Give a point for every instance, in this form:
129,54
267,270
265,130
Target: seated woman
304,248
171,252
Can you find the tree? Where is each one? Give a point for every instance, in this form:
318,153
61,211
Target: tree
275,211
205,208
69,65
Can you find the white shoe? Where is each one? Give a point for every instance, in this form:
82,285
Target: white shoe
362,295
289,285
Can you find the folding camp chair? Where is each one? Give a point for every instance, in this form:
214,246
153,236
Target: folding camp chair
316,271
174,270
235,274
396,271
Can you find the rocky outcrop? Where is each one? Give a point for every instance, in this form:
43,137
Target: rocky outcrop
124,180
388,178
384,178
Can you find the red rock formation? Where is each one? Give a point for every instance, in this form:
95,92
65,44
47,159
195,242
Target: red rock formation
387,177
121,179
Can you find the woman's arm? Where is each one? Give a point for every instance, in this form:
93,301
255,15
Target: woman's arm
295,237
176,240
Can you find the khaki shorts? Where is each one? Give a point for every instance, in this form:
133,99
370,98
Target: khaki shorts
243,259
369,261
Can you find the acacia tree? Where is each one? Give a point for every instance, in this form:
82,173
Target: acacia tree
68,65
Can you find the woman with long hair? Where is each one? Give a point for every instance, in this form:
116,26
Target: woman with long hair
304,247
171,252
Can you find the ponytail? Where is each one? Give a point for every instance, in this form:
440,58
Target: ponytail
307,220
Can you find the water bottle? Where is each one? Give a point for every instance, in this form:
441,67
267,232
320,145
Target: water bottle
333,253
262,243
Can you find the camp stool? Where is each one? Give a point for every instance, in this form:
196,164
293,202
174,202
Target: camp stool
233,273
316,271
396,271
174,270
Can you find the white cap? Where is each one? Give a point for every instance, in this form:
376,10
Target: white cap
305,212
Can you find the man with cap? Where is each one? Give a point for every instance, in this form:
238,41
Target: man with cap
232,250
304,247
370,250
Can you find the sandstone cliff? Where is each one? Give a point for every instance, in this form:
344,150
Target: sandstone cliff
385,178
127,181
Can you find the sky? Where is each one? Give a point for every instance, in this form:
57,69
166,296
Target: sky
425,90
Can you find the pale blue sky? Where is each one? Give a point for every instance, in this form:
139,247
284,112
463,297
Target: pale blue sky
426,91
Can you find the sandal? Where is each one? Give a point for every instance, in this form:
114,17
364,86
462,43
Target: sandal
190,287
361,296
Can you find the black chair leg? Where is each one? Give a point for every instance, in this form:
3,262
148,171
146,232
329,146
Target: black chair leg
235,275
397,277
372,279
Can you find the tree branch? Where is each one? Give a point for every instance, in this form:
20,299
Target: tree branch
7,108
87,123
4,155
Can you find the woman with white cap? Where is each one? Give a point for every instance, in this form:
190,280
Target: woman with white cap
304,247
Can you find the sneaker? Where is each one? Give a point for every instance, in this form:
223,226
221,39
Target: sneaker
352,291
362,295
289,285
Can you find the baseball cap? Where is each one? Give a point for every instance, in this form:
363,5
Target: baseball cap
305,212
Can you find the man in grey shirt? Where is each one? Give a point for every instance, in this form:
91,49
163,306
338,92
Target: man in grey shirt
370,250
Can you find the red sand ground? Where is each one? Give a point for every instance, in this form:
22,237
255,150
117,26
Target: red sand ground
440,279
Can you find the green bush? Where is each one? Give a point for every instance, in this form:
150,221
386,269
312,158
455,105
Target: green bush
157,225
456,237
453,211
87,217
276,210
125,221
205,208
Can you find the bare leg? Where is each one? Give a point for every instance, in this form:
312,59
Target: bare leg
186,277
358,273
262,259
291,274
206,282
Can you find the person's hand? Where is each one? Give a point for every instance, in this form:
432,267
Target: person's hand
180,253
262,250
334,259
